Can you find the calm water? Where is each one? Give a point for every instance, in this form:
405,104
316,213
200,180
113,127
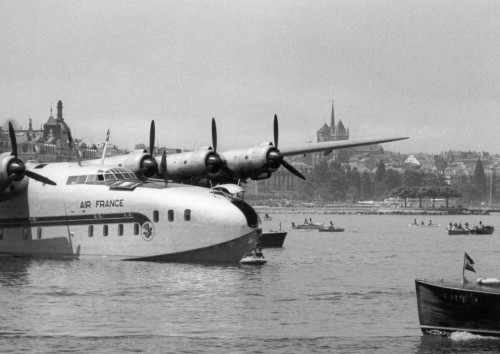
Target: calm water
350,292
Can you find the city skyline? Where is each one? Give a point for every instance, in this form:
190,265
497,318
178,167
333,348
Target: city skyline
425,70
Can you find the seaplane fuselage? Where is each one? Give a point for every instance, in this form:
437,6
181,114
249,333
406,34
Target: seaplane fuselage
105,211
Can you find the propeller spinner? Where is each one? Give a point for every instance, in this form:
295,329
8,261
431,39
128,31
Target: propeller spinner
17,169
274,157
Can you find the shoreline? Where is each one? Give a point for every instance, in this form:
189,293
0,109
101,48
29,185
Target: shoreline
356,210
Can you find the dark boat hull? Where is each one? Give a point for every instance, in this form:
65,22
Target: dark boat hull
458,232
445,307
272,239
487,230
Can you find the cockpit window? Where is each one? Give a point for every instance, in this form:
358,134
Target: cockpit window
111,175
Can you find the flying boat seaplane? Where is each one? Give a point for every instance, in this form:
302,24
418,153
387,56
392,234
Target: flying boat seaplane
88,210
208,167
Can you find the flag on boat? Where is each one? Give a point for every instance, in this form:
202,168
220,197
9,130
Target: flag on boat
468,262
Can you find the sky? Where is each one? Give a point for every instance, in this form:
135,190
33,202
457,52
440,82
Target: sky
429,70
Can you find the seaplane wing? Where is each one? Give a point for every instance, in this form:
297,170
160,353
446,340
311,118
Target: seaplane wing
333,145
73,210
206,166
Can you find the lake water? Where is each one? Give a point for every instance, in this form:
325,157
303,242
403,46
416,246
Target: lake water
350,292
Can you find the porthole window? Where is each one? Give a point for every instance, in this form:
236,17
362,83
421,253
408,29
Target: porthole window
91,230
105,230
39,232
170,215
137,227
156,216
120,229
187,214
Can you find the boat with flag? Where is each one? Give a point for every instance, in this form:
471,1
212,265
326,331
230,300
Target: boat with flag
451,306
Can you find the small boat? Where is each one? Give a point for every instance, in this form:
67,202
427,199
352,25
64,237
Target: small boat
331,229
485,230
254,257
267,217
272,239
445,307
425,225
459,232
308,226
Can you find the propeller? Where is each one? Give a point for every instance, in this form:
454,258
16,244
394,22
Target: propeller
214,162
149,166
274,157
16,169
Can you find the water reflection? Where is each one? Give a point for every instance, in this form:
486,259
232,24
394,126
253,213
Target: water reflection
14,271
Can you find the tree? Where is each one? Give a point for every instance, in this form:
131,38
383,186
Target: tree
479,180
366,186
412,178
447,193
422,192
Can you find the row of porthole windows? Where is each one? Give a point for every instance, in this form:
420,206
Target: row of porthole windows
105,228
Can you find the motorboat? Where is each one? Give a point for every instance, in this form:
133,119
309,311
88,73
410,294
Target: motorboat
272,238
485,230
331,229
445,307
308,226
255,257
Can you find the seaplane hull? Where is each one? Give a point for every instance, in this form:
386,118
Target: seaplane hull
151,222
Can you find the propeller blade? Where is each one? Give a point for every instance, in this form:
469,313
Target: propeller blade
214,135
39,178
291,169
276,131
13,140
162,170
152,138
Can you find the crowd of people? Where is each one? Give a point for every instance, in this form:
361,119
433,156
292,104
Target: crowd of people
459,226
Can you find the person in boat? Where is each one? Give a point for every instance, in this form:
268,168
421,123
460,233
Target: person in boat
331,225
305,221
415,222
310,221
422,223
455,226
430,223
466,225
460,226
293,224
450,226
266,215
481,226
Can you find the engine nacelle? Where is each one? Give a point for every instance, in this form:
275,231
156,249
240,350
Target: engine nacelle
132,161
192,163
251,163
